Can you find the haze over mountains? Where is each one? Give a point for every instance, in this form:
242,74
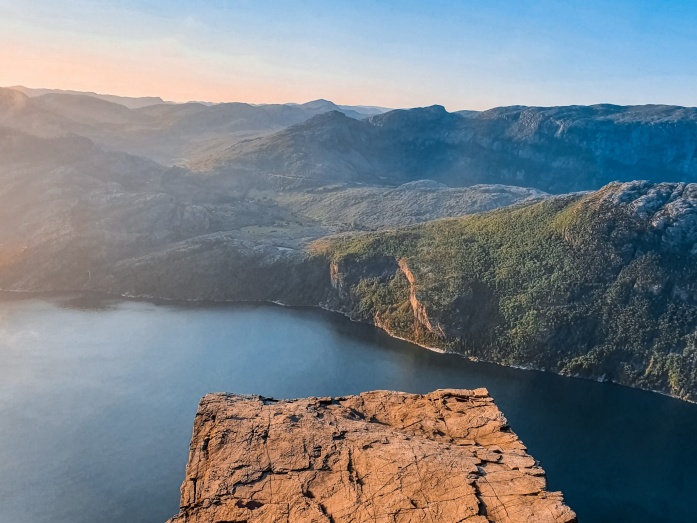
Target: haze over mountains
223,201
166,132
555,149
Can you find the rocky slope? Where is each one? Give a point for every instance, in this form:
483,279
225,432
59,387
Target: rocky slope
381,456
554,149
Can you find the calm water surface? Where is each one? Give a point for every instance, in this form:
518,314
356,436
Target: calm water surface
97,406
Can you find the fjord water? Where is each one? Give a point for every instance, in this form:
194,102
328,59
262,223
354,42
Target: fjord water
97,401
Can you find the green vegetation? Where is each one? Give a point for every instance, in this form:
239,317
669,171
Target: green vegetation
571,284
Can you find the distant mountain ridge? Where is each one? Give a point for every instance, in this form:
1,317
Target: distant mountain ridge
355,111
128,101
318,143
554,149
163,131
323,106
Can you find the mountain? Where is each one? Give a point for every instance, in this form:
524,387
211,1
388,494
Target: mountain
72,210
65,204
366,110
324,106
127,101
554,149
290,146
600,285
167,133
145,101
76,216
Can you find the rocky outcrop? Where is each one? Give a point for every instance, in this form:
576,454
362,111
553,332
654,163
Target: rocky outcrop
666,212
381,456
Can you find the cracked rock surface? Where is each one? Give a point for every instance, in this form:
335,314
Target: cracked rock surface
381,456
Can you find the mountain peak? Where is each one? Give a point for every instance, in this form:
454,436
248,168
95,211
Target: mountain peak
321,104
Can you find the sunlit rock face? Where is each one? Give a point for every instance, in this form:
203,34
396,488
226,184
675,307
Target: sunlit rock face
381,456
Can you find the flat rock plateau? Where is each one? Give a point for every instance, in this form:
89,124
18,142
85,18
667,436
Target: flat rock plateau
447,456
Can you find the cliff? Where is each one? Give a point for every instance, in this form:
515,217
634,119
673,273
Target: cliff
447,456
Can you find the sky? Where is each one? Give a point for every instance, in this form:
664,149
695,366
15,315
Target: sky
462,54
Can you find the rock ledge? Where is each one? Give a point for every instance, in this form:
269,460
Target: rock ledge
381,456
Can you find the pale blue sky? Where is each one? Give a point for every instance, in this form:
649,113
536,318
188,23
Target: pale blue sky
465,54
